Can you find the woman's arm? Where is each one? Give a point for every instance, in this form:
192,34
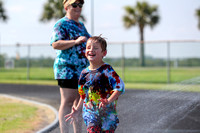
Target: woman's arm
65,44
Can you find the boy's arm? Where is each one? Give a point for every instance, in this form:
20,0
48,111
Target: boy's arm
79,105
75,110
113,97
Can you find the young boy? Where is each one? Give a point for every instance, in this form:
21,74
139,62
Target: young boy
99,89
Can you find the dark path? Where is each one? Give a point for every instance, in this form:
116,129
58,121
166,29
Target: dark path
46,94
140,111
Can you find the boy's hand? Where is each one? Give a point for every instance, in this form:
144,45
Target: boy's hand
72,115
103,102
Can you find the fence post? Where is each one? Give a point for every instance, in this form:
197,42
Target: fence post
92,17
0,53
123,63
168,63
28,63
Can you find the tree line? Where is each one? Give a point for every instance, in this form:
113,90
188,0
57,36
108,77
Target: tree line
116,62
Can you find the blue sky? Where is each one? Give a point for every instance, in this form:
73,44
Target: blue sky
178,21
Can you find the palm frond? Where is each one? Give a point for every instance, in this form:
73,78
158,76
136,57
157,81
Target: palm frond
128,22
141,14
3,15
198,16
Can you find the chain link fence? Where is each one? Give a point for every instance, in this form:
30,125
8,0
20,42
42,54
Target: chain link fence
121,55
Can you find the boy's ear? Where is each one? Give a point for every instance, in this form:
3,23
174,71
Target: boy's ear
104,53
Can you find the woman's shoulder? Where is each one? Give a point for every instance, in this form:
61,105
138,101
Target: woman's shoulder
80,22
59,23
62,20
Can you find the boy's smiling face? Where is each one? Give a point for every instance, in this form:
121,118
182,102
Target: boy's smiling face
94,51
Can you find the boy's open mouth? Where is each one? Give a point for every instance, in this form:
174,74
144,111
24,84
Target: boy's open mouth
92,55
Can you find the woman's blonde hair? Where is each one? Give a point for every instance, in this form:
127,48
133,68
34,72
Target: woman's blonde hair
69,2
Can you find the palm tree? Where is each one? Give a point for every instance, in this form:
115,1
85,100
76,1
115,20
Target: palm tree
198,15
53,9
141,15
3,16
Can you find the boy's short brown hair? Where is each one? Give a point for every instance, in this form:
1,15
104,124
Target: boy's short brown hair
100,40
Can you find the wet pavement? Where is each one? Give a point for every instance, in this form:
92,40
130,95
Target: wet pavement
140,111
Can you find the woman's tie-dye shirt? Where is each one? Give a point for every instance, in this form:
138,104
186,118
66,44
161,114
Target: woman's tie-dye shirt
97,84
70,62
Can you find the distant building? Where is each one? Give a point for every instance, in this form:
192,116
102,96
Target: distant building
9,63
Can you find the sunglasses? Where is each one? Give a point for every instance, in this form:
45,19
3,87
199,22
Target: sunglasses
74,5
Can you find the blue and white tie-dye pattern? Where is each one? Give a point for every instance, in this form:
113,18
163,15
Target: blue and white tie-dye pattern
96,84
70,62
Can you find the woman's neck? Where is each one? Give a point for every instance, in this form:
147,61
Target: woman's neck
72,18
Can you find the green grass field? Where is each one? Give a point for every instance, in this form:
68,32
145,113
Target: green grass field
15,116
19,116
158,75
137,78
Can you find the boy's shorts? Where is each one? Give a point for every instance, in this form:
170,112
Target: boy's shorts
68,83
97,129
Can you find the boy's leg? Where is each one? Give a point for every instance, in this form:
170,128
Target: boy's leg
109,131
94,129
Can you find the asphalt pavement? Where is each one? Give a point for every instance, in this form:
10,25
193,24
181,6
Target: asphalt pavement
140,111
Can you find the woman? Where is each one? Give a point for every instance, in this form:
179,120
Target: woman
69,39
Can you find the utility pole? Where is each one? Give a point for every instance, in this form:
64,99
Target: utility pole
92,17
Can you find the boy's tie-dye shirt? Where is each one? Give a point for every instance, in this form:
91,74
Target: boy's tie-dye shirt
97,84
70,62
